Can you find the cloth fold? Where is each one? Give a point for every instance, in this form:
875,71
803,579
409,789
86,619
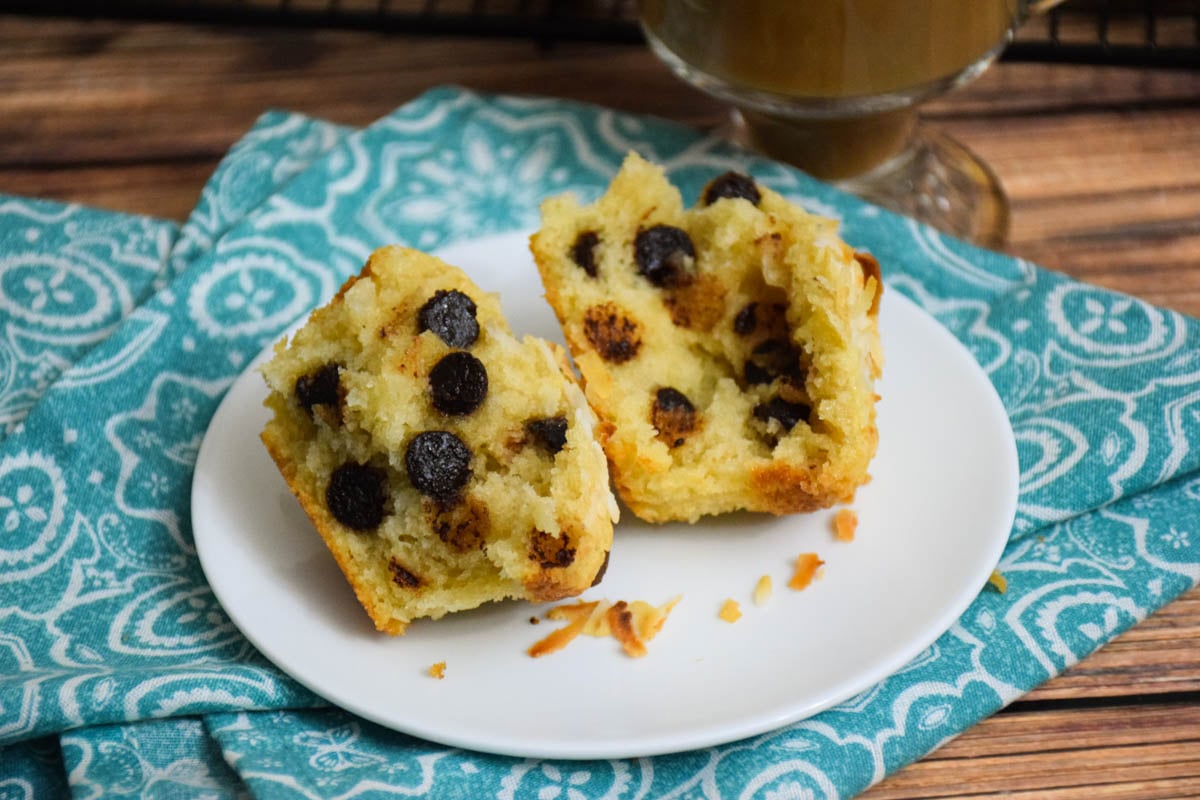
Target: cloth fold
107,621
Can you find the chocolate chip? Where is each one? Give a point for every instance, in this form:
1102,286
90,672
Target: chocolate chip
773,348
450,315
616,337
673,415
458,383
757,375
403,577
732,185
664,255
550,433
603,569
357,496
668,399
787,414
583,252
319,387
746,320
438,464
462,524
550,551
777,358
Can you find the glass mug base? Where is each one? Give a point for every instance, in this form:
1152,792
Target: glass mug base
943,184
913,170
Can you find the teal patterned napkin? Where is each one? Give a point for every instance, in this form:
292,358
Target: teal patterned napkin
68,277
106,620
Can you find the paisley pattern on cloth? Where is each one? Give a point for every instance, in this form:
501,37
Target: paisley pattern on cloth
68,277
106,621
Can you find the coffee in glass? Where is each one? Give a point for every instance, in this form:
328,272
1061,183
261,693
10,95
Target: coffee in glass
832,86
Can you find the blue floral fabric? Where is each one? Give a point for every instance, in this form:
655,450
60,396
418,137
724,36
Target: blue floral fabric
106,621
68,277
173,759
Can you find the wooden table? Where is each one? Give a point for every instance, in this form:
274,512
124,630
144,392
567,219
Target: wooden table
1102,166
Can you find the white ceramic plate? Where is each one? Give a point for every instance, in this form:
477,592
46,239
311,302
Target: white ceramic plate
932,525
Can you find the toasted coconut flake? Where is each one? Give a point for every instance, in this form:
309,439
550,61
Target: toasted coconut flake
845,523
998,582
438,670
649,619
597,623
807,565
730,611
620,621
762,591
631,624
577,616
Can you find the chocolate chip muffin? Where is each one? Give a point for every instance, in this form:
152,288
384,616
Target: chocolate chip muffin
444,462
730,350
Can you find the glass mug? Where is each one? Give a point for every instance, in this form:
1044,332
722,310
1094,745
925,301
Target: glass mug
832,86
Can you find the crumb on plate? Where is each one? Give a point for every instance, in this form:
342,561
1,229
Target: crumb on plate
631,624
438,670
807,568
762,591
845,523
730,611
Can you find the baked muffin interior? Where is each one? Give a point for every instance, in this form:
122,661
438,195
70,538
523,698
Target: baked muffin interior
729,350
444,462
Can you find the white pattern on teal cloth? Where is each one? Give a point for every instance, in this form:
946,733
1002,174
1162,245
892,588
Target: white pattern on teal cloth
1103,392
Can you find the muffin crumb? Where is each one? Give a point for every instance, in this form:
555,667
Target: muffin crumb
808,568
730,611
762,591
845,523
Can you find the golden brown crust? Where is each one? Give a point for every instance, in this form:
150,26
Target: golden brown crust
785,489
871,272
324,525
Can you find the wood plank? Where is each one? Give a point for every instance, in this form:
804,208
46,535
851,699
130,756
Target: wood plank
1156,209
162,91
1052,90
1019,732
169,190
1160,655
1056,752
1124,790
1128,752
1088,153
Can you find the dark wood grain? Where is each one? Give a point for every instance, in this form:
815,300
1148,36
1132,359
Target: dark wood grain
1102,167
1128,752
